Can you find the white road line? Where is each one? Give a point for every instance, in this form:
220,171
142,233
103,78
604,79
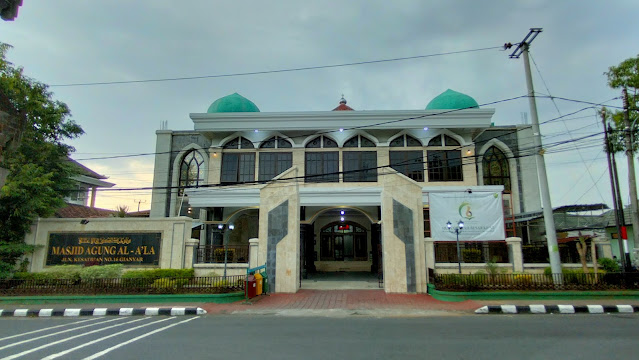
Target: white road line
103,352
15,356
45,329
62,353
53,334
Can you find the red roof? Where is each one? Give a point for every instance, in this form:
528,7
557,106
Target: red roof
81,211
343,107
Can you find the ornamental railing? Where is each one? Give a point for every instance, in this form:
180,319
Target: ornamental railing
215,254
195,285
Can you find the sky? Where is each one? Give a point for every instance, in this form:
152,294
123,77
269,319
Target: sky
66,42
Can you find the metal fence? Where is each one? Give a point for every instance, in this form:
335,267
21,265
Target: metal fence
196,285
214,254
538,254
472,252
570,281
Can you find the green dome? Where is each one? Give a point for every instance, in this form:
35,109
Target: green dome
232,103
450,99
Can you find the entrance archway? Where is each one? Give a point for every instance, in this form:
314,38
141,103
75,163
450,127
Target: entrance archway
339,247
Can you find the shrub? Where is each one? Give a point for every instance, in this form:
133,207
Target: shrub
471,255
219,255
66,272
154,274
111,271
166,285
609,265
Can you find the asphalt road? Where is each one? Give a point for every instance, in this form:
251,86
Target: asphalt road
272,337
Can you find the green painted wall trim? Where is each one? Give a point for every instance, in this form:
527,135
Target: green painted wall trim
113,299
529,295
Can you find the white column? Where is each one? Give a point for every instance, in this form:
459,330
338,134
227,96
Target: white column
254,247
189,252
515,253
429,245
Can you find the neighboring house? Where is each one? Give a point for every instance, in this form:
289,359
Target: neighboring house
87,181
333,176
611,233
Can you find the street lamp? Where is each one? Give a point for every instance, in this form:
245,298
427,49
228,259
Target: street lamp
457,230
225,243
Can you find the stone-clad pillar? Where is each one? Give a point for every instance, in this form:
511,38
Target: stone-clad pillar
279,241
402,234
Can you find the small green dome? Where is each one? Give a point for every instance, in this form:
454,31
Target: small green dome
232,103
450,99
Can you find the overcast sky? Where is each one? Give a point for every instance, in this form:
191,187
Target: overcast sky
69,41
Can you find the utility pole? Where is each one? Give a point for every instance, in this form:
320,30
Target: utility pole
613,185
551,233
632,183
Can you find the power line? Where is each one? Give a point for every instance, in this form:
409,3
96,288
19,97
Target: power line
304,68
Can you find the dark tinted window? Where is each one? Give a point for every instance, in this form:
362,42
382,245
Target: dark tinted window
322,166
409,163
273,164
360,166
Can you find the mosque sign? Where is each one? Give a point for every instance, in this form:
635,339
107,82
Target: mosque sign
104,248
481,212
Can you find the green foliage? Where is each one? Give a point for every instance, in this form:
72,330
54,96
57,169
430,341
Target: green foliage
122,211
66,272
155,274
169,283
608,265
111,271
625,75
36,157
471,255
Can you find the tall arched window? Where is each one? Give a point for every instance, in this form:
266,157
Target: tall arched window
190,172
495,168
321,166
407,162
238,166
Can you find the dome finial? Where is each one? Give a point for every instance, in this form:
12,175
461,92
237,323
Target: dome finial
342,100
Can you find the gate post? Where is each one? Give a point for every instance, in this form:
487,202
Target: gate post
515,253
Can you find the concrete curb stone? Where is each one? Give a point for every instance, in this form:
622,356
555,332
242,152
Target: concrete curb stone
149,311
557,309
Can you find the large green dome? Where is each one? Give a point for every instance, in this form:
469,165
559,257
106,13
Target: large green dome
232,103
449,100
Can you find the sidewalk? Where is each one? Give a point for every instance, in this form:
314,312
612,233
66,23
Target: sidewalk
338,303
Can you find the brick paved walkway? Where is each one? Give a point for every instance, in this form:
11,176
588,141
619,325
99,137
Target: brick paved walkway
342,299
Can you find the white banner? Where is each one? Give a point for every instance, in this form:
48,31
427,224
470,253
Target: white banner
481,212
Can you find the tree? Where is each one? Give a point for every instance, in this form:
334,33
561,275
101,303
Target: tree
37,160
625,76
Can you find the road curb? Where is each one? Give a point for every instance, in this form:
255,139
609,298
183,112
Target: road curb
149,311
557,309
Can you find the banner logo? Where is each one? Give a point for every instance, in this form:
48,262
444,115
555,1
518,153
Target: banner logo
464,210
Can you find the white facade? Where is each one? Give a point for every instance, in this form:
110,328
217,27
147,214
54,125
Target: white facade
343,178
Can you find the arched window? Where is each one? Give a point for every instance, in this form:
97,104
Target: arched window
358,141
190,172
404,141
343,241
239,143
321,166
409,163
276,142
495,168
443,140
237,166
359,166
321,142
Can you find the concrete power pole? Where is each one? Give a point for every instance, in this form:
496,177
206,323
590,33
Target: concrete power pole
549,220
632,182
613,185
